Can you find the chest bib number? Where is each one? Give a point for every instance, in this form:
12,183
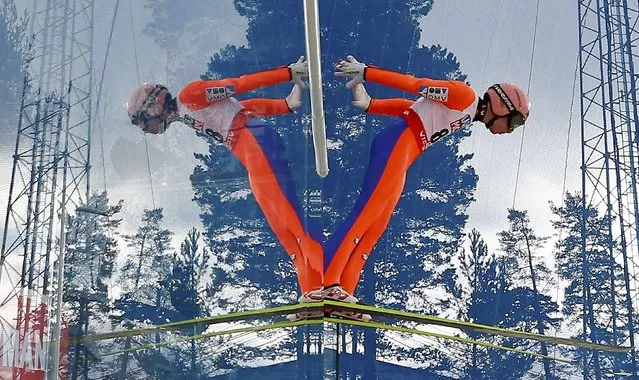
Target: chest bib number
438,135
216,135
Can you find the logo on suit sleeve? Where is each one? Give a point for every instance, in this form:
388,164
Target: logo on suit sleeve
439,94
219,93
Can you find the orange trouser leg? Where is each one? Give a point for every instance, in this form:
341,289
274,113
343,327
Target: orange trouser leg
392,153
313,254
353,269
271,184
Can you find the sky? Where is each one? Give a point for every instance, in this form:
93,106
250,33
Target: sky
494,45
492,40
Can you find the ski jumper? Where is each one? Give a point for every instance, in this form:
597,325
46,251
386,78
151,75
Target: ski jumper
444,107
209,107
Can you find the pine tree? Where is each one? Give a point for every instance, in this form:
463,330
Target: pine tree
148,263
144,270
187,286
88,268
526,268
593,278
488,297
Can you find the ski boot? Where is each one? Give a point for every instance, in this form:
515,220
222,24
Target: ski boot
308,297
337,293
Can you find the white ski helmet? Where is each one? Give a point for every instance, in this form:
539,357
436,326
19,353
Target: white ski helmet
149,107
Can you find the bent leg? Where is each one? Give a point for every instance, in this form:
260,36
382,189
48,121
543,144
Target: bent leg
353,269
393,151
260,149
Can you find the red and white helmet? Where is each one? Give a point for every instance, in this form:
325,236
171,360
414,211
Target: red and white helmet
148,107
506,99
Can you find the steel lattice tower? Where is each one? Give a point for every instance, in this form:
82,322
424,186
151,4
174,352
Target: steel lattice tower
50,169
609,129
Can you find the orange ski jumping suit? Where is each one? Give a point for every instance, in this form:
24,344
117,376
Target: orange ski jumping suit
444,107
209,107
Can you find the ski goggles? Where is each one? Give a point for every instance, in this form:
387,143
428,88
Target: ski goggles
514,120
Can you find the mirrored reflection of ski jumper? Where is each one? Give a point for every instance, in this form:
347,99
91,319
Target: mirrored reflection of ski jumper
208,106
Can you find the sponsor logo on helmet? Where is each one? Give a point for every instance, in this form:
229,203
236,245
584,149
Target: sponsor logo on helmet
460,123
219,93
435,93
504,98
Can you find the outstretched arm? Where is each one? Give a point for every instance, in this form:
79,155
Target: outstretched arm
388,107
266,107
269,107
199,94
453,94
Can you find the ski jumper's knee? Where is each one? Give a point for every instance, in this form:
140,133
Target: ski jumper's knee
392,152
261,150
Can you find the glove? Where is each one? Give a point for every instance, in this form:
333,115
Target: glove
298,70
361,99
294,99
351,68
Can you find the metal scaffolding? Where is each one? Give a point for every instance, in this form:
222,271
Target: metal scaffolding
609,130
51,169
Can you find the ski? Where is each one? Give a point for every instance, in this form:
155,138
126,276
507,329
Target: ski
246,329
216,319
384,326
333,320
340,306
469,326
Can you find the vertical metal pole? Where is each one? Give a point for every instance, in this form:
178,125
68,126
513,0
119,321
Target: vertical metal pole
318,124
54,369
